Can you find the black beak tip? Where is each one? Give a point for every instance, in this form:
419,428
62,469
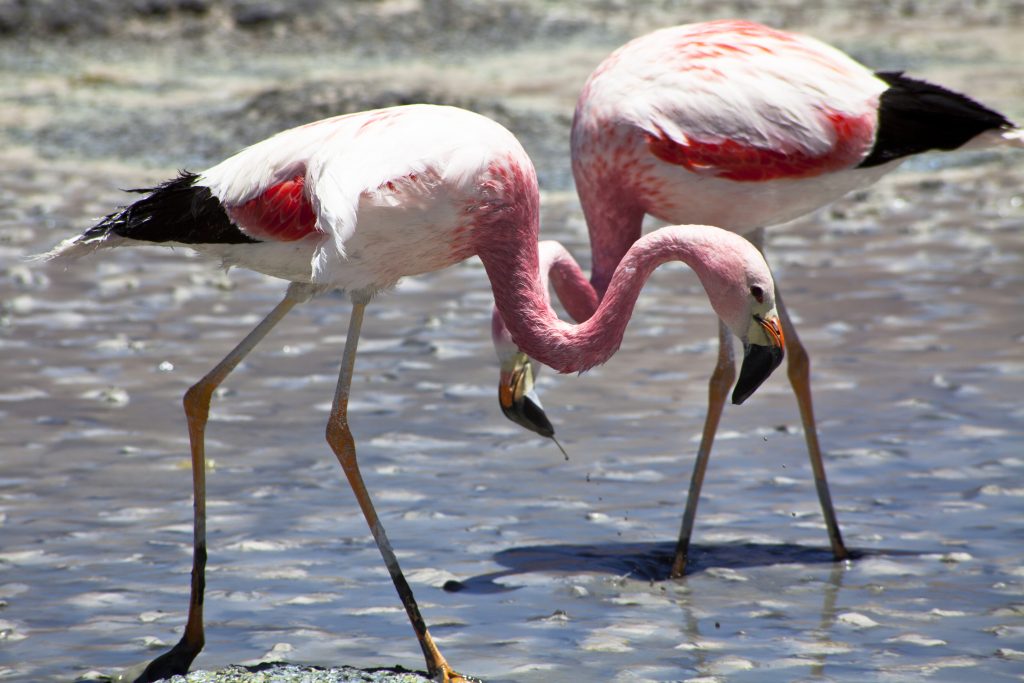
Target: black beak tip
758,364
528,414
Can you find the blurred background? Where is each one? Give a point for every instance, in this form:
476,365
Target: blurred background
908,296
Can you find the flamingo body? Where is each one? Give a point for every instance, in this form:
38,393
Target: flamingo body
739,125
742,126
693,118
329,205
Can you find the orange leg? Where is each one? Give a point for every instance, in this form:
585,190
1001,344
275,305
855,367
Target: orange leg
176,661
718,389
341,441
799,371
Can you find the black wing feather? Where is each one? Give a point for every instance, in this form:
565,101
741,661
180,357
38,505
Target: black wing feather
175,211
916,116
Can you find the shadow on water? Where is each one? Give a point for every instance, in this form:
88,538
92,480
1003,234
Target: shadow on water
649,561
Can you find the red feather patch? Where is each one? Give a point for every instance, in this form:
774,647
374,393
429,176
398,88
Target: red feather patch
282,213
738,161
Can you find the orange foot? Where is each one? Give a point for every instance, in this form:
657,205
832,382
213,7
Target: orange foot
447,675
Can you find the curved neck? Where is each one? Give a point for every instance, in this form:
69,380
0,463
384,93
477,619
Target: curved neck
558,268
577,295
521,298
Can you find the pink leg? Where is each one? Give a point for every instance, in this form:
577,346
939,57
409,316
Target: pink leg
799,371
718,389
341,441
176,661
721,380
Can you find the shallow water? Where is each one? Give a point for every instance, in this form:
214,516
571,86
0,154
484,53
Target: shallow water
908,297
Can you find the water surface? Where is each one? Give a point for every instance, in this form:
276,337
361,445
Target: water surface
908,296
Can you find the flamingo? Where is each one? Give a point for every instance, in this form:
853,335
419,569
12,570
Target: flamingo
742,126
355,203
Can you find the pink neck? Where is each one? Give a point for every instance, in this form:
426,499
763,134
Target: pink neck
521,298
614,218
558,268
576,294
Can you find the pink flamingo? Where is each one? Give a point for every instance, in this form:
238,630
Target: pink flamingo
738,125
357,202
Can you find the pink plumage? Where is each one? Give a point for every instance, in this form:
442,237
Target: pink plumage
739,125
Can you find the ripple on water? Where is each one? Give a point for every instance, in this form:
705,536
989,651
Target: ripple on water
948,486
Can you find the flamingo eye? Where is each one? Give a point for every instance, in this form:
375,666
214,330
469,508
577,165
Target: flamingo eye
757,293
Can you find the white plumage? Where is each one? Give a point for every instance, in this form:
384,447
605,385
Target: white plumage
382,212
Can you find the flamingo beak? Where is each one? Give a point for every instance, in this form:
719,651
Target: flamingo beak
760,360
519,400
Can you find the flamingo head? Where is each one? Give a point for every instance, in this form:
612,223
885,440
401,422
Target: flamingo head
516,394
742,292
751,315
518,398
763,350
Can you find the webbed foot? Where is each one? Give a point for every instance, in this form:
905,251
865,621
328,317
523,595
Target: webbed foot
174,662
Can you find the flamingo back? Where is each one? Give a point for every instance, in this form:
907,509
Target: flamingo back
728,123
364,199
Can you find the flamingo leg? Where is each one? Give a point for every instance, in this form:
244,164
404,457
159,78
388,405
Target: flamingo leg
177,660
799,371
718,389
341,441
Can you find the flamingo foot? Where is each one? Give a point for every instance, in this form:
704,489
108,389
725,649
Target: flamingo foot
174,662
447,675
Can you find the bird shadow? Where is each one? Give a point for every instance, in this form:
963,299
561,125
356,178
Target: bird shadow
647,561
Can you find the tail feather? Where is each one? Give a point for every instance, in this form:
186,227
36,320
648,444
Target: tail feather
103,235
82,245
916,116
178,211
1006,137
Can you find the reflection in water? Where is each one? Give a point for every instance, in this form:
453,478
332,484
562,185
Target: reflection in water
830,598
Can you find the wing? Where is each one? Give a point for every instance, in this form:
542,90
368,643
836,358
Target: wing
265,189
390,193
310,179
325,179
738,100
